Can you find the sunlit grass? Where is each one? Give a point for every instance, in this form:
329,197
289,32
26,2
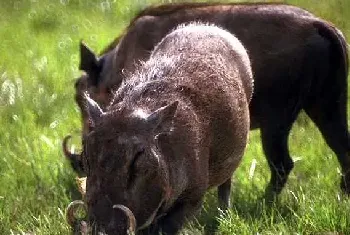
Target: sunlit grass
38,66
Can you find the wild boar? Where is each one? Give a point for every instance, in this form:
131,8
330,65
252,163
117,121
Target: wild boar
175,128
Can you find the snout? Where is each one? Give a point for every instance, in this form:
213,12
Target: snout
120,222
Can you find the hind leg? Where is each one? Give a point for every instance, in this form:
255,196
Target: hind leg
275,114
330,117
275,145
224,191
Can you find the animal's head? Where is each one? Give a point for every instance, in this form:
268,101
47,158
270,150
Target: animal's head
124,165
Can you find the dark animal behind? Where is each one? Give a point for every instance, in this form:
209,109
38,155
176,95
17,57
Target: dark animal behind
299,62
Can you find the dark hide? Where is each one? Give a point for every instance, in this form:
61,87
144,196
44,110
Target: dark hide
299,62
176,127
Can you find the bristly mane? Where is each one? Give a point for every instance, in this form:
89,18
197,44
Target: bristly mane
166,9
142,81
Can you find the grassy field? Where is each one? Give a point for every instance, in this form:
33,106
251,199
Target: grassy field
38,66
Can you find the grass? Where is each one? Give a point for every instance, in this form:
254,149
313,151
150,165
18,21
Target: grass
38,66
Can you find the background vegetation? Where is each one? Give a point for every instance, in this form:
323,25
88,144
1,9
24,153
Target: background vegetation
38,67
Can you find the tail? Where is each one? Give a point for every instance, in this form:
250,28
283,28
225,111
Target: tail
339,50
339,64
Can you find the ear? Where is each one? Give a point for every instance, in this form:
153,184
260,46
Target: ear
162,116
88,60
93,109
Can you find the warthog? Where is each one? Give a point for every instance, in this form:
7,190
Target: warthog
176,127
299,62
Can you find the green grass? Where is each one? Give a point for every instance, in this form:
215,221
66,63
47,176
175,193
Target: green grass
38,66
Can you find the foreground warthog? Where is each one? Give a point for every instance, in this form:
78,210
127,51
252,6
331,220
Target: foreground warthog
176,127
298,61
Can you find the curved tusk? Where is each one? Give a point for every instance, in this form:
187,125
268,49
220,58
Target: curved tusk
74,159
131,217
66,152
71,209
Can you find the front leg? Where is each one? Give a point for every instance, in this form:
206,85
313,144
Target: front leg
224,191
173,221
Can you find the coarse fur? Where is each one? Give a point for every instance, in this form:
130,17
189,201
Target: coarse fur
175,128
299,62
